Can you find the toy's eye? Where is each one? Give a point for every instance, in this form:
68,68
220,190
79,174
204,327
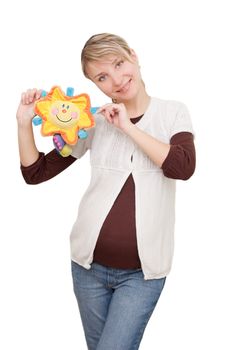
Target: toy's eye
67,107
63,105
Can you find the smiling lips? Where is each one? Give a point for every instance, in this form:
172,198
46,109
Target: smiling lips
125,87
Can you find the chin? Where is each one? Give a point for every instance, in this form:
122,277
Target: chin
130,96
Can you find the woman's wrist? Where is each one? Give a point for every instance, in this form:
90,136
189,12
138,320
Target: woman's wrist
129,128
24,124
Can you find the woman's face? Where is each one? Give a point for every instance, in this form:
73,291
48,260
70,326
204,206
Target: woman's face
117,77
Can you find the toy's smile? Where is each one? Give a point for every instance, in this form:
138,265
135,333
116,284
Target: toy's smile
63,121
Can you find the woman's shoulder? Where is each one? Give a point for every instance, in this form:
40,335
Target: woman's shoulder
168,104
171,115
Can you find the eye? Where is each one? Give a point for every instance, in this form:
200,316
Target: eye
67,107
63,105
102,78
119,63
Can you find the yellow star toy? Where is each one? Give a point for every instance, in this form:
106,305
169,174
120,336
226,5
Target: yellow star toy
64,115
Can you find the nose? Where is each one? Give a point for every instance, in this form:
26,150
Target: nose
64,111
116,82
116,79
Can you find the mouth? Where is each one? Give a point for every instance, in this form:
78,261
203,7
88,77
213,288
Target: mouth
124,88
63,121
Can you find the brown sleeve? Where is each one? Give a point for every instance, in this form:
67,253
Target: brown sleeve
181,159
46,167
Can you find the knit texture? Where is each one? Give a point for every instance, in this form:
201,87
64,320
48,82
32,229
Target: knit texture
110,155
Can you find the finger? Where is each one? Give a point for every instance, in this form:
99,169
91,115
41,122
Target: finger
27,96
102,109
38,94
23,98
110,117
107,116
110,120
111,110
30,95
106,106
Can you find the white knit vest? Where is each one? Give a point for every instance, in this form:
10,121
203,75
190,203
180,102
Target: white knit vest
114,156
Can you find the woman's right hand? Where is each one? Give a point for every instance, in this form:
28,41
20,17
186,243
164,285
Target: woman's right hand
25,111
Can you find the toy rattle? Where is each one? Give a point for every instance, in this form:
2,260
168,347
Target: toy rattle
65,117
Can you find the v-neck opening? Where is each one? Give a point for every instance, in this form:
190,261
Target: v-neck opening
146,116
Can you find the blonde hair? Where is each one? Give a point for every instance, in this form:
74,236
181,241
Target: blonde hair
101,45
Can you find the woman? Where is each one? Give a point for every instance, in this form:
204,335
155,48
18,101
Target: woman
122,240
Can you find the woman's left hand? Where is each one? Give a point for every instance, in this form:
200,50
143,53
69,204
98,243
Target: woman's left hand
116,114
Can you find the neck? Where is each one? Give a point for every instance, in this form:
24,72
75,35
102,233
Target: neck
138,105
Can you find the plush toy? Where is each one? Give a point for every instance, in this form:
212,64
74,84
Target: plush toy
65,117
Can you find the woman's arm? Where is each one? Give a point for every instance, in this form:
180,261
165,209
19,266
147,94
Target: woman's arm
46,167
27,149
116,114
177,159
35,166
156,150
181,159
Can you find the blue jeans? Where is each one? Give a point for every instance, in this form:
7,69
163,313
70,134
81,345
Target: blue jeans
115,305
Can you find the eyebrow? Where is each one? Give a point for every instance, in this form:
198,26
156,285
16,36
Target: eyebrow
113,62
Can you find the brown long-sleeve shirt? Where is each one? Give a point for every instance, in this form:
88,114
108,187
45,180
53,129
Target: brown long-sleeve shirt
117,244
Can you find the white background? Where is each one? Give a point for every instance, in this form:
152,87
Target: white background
185,51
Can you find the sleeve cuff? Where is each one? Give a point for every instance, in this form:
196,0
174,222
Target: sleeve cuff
35,164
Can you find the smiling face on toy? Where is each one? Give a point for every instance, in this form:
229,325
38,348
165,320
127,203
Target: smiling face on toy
64,115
